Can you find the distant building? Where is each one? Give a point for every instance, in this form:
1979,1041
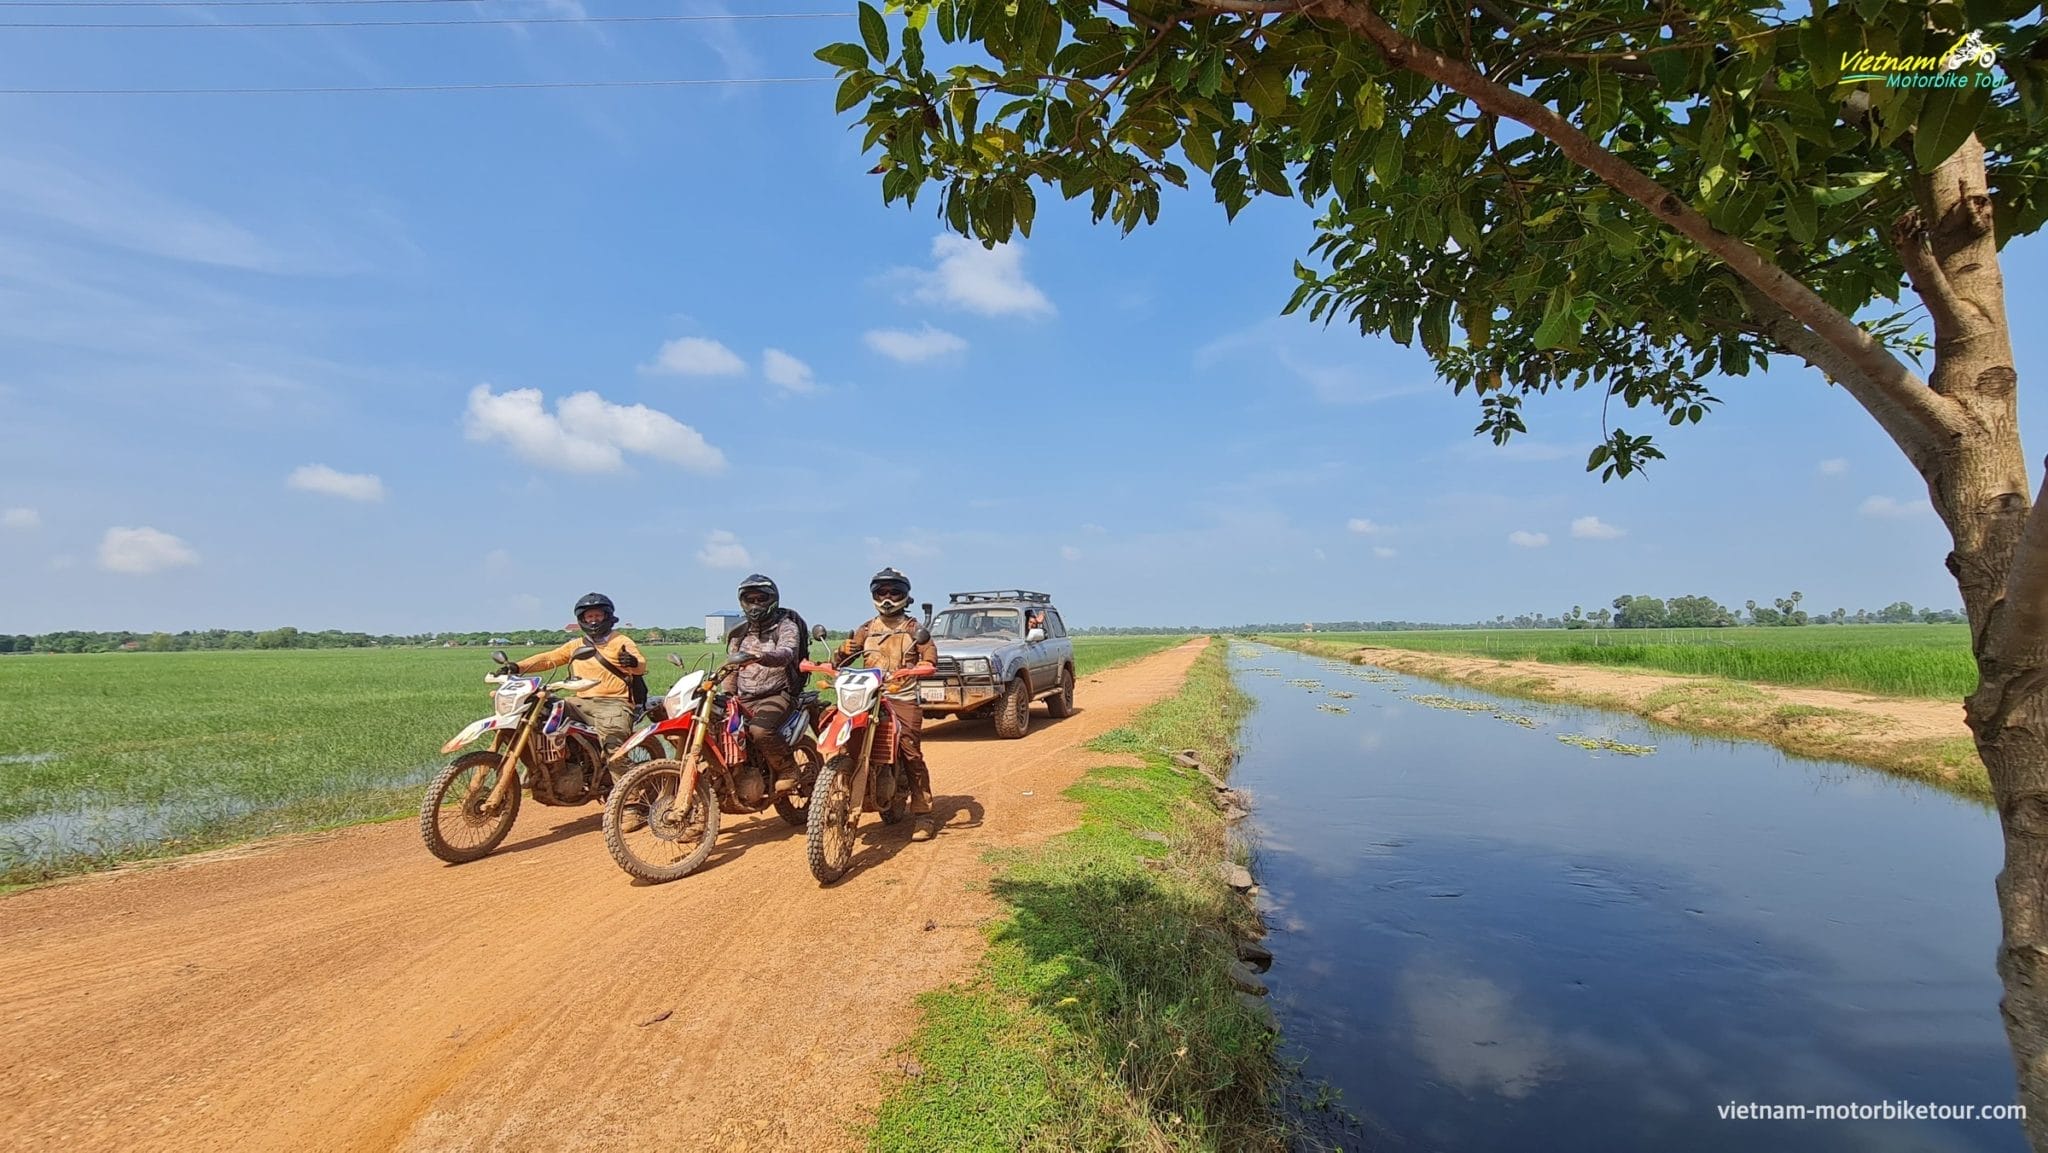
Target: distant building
716,625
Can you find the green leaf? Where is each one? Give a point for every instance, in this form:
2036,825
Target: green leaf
1802,215
1210,81
1386,155
1859,184
1025,206
1199,146
843,55
1265,88
1372,105
1268,169
853,91
1436,326
1946,121
874,31
1556,329
1670,70
1087,60
1603,100
913,50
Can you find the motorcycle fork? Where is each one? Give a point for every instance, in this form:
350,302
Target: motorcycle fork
858,802
693,757
508,769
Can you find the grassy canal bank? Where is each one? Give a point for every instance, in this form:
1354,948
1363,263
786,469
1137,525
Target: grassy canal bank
1104,1014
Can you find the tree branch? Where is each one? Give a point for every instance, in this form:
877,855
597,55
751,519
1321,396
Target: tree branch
1916,417
1254,7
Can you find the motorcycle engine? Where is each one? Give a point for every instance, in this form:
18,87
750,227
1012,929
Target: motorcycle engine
750,784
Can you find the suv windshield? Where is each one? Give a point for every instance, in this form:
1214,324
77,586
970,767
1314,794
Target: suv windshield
971,624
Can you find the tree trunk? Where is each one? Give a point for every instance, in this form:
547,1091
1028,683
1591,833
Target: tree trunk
1978,483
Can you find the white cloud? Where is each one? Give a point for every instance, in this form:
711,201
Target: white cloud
347,485
21,518
1884,506
1069,552
989,281
1382,551
586,433
1363,527
1593,528
786,372
696,356
1834,466
723,550
1529,539
1094,530
914,347
143,550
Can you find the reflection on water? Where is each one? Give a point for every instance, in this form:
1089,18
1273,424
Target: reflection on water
1490,939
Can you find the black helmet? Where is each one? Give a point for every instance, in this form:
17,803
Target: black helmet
596,601
759,613
891,591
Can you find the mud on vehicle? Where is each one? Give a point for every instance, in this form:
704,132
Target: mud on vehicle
999,650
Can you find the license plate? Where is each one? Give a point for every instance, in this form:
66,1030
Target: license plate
931,692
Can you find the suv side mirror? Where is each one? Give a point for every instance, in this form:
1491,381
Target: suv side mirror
1034,636
818,632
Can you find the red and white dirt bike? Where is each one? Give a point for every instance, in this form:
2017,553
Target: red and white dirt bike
471,805
863,772
662,816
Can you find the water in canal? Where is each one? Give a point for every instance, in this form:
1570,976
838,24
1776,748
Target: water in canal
1488,938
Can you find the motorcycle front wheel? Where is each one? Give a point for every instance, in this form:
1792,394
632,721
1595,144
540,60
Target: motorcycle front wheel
793,808
651,833
828,845
453,820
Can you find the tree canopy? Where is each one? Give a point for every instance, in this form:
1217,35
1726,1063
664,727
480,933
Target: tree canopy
1545,197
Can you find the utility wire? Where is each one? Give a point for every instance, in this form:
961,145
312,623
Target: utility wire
483,87
425,23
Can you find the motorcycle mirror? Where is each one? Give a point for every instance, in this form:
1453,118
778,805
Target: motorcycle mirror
818,632
676,659
924,636
499,656
584,653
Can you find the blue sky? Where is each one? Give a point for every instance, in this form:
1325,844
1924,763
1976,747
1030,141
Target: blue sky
372,361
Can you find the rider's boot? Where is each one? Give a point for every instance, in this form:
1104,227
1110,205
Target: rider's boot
780,761
922,827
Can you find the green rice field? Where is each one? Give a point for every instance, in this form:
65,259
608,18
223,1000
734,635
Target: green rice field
1907,660
111,756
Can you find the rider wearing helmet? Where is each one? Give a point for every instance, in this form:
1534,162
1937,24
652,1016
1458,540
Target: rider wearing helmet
771,642
892,641
607,705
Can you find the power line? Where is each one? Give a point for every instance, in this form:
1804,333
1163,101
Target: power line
429,23
483,87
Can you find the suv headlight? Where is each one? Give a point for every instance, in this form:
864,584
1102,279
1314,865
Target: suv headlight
974,666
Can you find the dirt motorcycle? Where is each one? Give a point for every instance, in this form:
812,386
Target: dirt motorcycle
663,815
537,741
863,772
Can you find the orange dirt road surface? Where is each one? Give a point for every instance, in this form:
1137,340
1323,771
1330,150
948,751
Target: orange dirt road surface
347,991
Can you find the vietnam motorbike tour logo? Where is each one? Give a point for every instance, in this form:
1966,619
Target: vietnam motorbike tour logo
1968,63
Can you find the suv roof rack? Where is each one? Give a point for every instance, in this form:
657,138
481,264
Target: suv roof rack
986,596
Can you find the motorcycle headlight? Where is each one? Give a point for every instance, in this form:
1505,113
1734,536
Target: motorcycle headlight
856,696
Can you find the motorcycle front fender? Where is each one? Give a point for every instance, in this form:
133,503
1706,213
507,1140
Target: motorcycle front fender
477,729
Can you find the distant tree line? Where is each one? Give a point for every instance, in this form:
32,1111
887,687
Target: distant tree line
291,638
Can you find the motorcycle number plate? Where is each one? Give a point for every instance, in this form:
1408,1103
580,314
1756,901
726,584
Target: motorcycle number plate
931,692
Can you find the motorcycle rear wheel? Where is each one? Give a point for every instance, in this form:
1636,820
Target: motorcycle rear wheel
828,845
648,791
462,831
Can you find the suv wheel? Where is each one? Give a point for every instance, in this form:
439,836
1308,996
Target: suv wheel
1061,703
1013,712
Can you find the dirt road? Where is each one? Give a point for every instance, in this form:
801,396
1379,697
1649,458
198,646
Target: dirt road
347,991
